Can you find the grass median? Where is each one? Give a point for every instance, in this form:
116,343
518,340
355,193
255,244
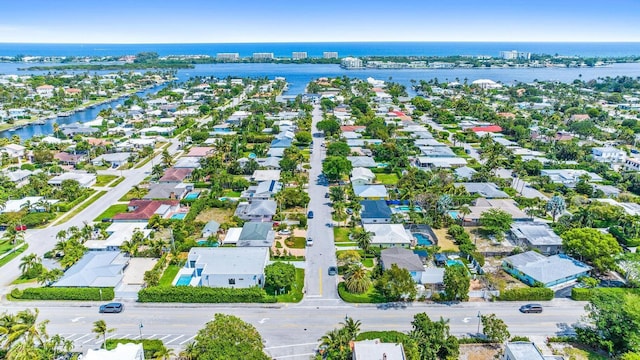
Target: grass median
14,254
80,207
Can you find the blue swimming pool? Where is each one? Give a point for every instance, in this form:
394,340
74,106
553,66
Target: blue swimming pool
454,214
179,216
454,262
208,243
192,196
406,208
422,239
183,280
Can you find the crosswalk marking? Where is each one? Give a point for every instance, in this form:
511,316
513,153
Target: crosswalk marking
170,341
186,341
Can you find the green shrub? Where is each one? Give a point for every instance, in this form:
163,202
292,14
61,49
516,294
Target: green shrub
584,294
65,293
390,336
560,339
150,346
520,338
526,294
188,294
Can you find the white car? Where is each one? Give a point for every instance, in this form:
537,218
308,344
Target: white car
309,242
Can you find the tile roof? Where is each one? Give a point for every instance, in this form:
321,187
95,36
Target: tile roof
144,209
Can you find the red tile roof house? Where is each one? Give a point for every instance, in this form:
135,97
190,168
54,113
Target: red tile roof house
143,210
69,159
354,128
173,175
200,151
490,128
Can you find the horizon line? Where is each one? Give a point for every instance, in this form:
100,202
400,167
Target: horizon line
324,42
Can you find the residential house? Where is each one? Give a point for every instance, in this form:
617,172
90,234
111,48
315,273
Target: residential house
175,175
464,173
579,117
632,164
30,203
521,350
486,190
224,267
66,158
168,190
187,162
84,179
201,151
143,210
210,229
362,161
375,212
281,143
536,235
129,351
114,160
487,129
13,150
481,205
275,152
363,142
371,192
70,130
265,175
45,90
256,234
607,190
404,259
257,210
361,176
19,177
568,177
389,235
534,268
377,350
265,190
608,154
439,162
118,233
95,269
269,163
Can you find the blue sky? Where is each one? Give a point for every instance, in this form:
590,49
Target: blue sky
214,21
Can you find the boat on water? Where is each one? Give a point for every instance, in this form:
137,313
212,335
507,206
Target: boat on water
65,114
39,122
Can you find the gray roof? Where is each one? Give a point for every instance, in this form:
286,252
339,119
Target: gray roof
210,228
375,209
370,191
120,156
487,190
432,276
256,234
362,161
164,191
547,269
95,269
404,258
261,208
524,351
464,172
535,233
229,260
187,162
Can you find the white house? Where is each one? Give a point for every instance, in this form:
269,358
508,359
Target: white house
13,150
362,176
45,90
388,235
128,351
224,267
608,154
84,179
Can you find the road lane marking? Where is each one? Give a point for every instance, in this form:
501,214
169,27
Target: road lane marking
263,320
320,278
164,337
186,341
89,341
170,341
151,337
82,337
286,346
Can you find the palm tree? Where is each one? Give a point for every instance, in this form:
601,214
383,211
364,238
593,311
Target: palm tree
167,159
24,350
48,277
357,279
27,328
351,326
164,353
362,238
100,329
464,210
28,262
336,193
190,351
556,205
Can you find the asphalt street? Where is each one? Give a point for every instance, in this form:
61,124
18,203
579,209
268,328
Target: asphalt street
290,331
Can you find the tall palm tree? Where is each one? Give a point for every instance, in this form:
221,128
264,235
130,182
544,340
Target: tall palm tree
357,279
190,352
100,329
351,326
362,238
48,277
556,206
464,210
27,328
336,193
28,262
164,353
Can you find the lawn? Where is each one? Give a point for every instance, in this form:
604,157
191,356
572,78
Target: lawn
295,295
115,183
78,208
341,234
372,296
296,242
5,246
103,180
387,179
169,274
133,194
217,214
14,254
231,194
111,211
444,240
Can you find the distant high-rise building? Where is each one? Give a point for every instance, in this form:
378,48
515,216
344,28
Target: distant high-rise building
514,54
262,56
351,63
299,55
227,56
330,55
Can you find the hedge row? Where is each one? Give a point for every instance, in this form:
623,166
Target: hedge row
526,294
188,294
150,346
582,294
63,293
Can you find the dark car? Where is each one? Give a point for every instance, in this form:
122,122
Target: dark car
332,271
531,308
326,195
111,308
310,215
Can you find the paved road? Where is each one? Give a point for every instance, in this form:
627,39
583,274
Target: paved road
43,240
290,332
320,287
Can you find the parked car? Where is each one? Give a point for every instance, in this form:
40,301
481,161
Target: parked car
111,308
332,271
310,215
531,308
21,227
309,242
326,195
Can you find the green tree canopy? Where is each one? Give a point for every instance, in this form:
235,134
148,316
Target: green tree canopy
228,337
335,167
592,246
494,328
456,283
338,148
396,284
496,221
434,339
279,275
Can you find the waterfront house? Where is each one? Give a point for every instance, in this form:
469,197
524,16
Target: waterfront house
534,268
256,234
71,130
224,267
375,212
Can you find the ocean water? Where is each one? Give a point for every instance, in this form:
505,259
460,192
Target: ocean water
316,49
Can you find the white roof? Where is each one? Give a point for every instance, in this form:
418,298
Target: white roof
16,205
388,233
119,232
128,351
230,260
233,235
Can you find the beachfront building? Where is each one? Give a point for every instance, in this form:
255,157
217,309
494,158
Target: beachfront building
351,63
330,55
262,56
227,56
299,55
